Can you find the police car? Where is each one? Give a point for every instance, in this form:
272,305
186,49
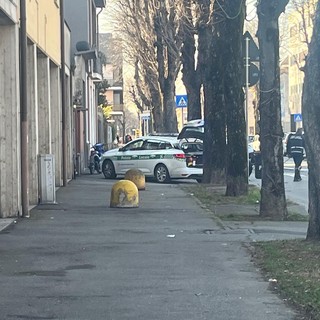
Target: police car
158,157
191,141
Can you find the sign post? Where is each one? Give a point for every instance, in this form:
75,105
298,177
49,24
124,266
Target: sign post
182,102
251,53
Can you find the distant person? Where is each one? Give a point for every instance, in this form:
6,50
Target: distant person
256,143
295,149
127,138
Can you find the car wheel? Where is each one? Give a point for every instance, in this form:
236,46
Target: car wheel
161,173
108,169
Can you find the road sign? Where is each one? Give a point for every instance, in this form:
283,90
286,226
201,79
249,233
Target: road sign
145,115
254,75
181,101
254,54
297,117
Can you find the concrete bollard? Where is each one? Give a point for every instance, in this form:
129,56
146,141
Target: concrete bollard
137,177
124,194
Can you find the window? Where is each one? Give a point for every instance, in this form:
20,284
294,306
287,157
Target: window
136,145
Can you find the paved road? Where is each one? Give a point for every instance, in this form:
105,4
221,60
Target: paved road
166,260
295,191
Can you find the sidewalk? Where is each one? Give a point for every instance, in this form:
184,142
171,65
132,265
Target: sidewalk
4,223
166,260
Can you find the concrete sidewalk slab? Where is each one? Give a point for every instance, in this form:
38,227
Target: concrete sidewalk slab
5,223
167,259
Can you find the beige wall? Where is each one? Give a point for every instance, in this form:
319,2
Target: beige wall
43,26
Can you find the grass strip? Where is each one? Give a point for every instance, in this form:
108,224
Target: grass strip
295,267
210,195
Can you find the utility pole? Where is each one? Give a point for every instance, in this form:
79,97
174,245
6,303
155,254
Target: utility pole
247,66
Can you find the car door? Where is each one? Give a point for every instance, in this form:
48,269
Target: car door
144,157
149,157
128,156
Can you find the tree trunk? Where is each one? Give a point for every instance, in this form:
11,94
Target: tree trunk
214,147
190,73
237,162
169,106
311,124
273,200
168,46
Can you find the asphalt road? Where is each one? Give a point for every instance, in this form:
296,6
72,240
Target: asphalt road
295,191
166,260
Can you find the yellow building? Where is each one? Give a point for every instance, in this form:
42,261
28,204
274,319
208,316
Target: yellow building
43,26
33,124
299,25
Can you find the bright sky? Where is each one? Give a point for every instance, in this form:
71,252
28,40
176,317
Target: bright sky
106,17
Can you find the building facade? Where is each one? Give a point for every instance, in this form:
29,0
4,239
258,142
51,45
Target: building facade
82,18
51,85
299,26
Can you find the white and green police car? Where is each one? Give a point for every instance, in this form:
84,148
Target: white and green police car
158,157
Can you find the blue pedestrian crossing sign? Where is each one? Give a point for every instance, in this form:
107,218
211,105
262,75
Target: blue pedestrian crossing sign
181,101
297,117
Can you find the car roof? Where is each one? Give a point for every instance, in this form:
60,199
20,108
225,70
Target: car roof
169,134
158,138
194,123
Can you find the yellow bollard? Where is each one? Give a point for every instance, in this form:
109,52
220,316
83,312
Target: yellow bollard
124,194
137,177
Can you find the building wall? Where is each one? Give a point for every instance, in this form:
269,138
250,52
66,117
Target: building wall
299,30
43,19
78,20
10,179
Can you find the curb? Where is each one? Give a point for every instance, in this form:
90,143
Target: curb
6,223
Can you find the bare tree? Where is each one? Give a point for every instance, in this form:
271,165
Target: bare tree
305,10
139,51
311,116
214,153
150,30
223,96
273,201
191,57
168,44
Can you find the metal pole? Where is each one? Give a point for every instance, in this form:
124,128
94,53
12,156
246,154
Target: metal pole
247,66
182,117
24,112
63,96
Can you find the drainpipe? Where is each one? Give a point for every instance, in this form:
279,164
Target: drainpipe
63,96
24,112
98,31
97,92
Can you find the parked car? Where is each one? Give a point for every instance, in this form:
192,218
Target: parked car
191,141
156,156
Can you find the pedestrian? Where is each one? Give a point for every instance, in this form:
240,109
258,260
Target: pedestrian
256,143
295,149
127,138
